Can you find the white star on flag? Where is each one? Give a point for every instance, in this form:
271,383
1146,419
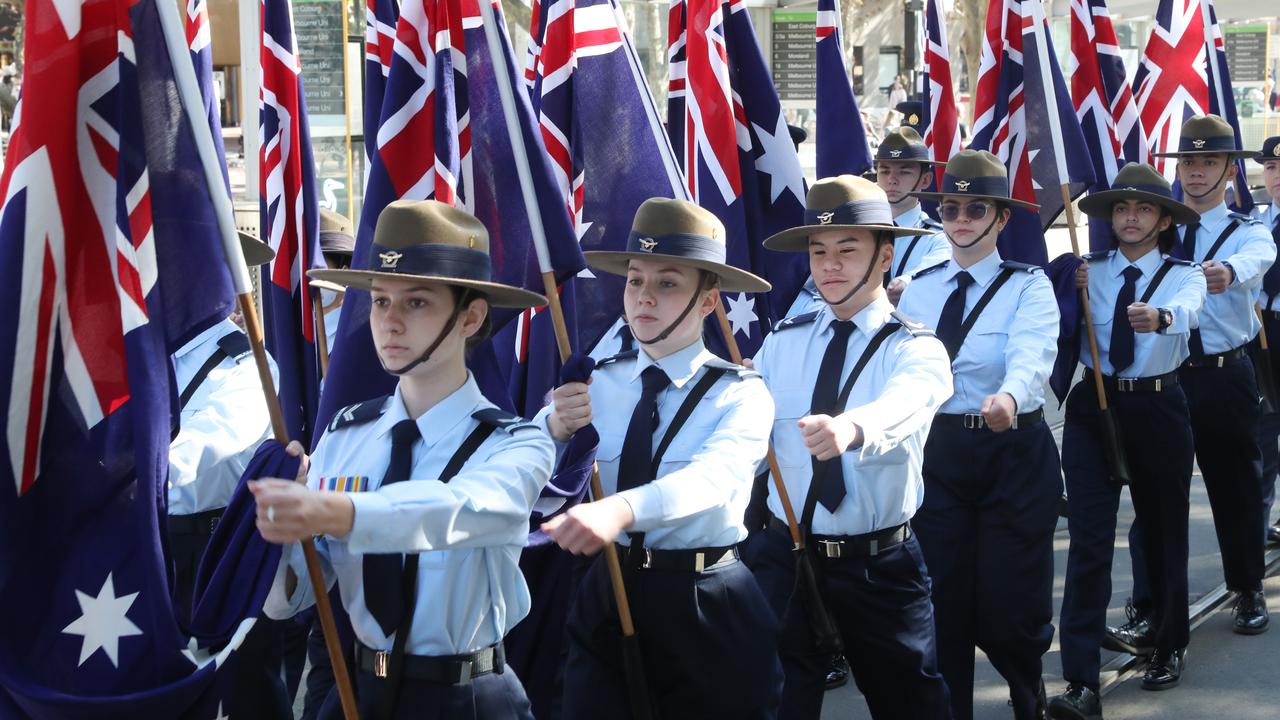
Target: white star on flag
103,622
780,161
220,715
741,314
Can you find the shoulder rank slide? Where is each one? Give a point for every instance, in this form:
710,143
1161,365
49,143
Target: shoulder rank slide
916,328
234,345
1242,219
1096,256
625,355
795,321
361,412
503,420
1024,267
932,268
1179,261
742,371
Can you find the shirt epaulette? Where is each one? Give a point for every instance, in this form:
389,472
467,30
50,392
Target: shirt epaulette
1025,267
503,420
1243,219
234,345
931,268
742,371
1100,255
930,223
625,355
916,328
795,321
1179,261
361,412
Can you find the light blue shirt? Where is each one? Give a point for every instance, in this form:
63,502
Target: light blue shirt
1182,291
1268,215
929,250
704,480
1228,319
221,426
893,401
469,532
1013,343
611,342
331,318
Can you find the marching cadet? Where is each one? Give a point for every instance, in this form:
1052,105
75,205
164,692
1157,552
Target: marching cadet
856,386
1269,300
337,244
903,168
1217,377
991,465
681,433
1144,306
223,418
459,478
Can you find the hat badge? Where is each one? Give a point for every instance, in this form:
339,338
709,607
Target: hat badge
895,153
648,244
1276,150
1198,143
913,119
962,185
826,218
390,259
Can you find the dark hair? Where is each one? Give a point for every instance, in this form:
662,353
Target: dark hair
1167,237
463,297
707,280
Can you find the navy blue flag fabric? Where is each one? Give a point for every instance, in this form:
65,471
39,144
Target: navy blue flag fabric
290,222
199,41
1222,102
727,128
470,163
842,139
89,630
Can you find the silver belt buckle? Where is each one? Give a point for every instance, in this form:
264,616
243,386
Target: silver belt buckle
1159,383
973,422
833,549
1014,424
1126,384
464,672
381,660
699,561
648,559
1222,360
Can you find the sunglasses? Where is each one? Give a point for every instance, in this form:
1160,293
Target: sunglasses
973,211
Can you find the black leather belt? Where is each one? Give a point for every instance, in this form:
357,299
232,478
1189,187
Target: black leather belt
973,421
201,523
834,547
441,669
694,560
1153,383
1216,360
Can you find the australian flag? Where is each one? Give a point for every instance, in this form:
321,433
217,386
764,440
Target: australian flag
442,134
1019,86
379,41
842,140
1222,102
112,260
1104,103
199,42
290,221
727,128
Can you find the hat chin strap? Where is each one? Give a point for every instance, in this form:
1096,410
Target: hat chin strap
865,276
1212,188
1145,238
674,323
980,237
448,328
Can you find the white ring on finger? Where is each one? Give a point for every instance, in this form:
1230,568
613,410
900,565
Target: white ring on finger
271,513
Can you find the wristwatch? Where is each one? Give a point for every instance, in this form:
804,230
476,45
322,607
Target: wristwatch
1166,319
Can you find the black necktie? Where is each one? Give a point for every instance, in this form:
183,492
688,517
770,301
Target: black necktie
1271,281
637,448
1121,351
831,491
628,340
383,574
953,315
1194,344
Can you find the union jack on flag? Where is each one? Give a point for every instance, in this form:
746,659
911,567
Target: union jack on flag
380,17
727,128
1171,84
942,117
290,220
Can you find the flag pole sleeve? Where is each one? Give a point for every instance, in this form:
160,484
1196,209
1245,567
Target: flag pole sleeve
193,108
775,471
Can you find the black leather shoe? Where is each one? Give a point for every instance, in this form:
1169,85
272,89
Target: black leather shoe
1273,534
1165,670
1077,703
1042,704
1135,637
838,674
1251,613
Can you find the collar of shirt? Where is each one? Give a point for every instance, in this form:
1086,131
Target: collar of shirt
1148,263
868,320
1214,220
213,334
982,272
910,218
680,365
440,419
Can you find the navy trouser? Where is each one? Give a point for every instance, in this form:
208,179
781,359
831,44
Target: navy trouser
1157,442
1269,446
321,692
986,528
881,606
494,696
708,642
1225,414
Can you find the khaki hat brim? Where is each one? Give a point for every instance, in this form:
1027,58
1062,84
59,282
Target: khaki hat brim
994,198
1246,154
255,251
1098,205
797,238
732,279
498,294
326,285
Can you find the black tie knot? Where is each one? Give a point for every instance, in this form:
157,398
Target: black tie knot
1132,273
404,433
653,380
963,279
842,329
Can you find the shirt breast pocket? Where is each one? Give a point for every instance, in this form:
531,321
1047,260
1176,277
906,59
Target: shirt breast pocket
986,344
